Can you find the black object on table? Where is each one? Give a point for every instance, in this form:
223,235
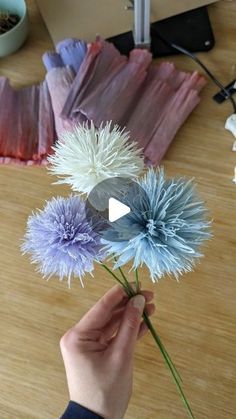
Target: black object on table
191,30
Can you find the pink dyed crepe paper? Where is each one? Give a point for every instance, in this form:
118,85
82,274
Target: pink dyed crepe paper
26,123
59,81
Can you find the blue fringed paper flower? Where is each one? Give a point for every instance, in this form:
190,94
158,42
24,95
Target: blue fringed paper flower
61,240
169,222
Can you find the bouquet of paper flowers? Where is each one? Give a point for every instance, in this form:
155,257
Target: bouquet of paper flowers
164,229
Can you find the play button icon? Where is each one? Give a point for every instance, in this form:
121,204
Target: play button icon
116,210
115,201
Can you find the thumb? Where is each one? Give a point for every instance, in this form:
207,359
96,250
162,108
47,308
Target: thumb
129,327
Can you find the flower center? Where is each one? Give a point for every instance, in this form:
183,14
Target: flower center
151,227
67,231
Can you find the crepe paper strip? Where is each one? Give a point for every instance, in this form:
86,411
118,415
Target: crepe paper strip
72,53
160,84
195,81
30,133
179,108
173,116
167,72
101,58
46,123
80,79
112,91
26,111
87,103
160,106
52,60
64,43
6,98
142,121
18,162
119,97
108,59
142,58
59,81
160,97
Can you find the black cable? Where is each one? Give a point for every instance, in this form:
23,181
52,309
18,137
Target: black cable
199,62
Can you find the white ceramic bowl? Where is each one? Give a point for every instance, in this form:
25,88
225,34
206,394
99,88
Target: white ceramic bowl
15,37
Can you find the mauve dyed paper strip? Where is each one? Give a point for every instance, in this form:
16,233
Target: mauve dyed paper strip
173,115
6,100
178,110
26,112
159,89
101,58
115,102
80,80
107,60
30,133
195,81
99,83
46,127
167,72
147,112
59,81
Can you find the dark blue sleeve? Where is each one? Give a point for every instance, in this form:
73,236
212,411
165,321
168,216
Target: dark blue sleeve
76,411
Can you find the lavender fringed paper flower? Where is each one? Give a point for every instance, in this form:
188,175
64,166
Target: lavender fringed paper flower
60,239
169,222
85,156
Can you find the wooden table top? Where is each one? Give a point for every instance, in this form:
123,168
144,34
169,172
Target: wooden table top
196,317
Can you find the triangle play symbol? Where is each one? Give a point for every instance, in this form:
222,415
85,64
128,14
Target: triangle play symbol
116,210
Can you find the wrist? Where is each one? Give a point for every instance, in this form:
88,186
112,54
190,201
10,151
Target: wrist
93,401
100,404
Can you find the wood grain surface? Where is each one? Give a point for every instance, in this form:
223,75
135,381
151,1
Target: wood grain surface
196,317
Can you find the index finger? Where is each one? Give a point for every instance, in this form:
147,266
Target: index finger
101,313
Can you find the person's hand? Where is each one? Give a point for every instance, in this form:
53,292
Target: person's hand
98,352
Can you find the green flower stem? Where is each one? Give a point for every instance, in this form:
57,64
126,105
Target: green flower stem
114,276
169,363
130,292
137,281
126,282
160,344
128,288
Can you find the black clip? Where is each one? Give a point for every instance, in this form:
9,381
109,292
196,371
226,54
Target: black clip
221,96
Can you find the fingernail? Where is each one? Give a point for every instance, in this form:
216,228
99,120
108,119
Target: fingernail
138,302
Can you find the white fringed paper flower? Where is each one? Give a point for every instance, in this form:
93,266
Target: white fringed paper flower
87,155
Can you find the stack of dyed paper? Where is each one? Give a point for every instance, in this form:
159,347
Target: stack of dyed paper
96,82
